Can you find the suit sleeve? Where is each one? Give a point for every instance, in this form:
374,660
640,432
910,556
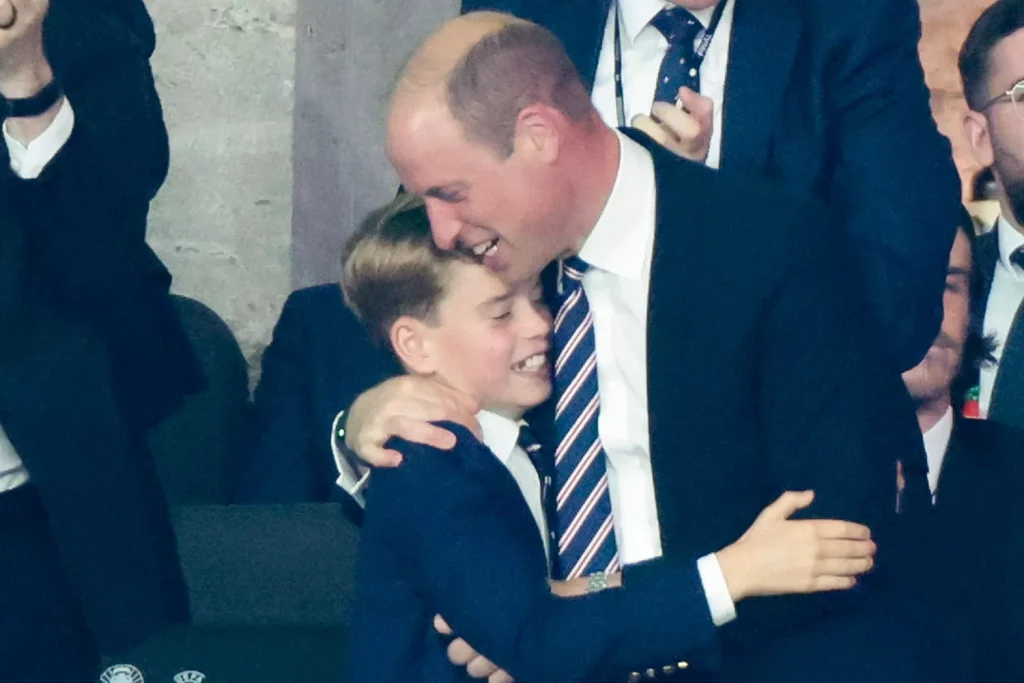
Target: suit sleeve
835,418
86,214
486,575
895,184
276,465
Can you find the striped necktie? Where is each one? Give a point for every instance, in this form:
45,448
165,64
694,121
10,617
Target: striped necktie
586,533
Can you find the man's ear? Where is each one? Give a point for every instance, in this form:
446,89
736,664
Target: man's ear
539,132
976,130
410,340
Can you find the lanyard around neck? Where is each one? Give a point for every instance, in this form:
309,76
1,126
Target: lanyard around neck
700,52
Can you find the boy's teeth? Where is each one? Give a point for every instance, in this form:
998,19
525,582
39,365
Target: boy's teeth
534,362
486,249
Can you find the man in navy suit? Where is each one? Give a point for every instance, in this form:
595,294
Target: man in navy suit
466,532
734,363
92,354
827,98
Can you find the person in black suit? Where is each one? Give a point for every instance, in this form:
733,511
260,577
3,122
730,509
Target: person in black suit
976,471
464,532
803,92
91,353
320,358
991,67
737,362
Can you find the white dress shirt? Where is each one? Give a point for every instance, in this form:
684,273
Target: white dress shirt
28,163
619,250
643,48
1001,308
936,443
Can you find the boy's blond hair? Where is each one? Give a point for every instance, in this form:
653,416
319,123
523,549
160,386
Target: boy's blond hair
391,267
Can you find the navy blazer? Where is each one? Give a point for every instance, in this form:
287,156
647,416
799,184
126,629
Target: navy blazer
765,374
981,525
93,354
449,532
829,99
319,361
1005,405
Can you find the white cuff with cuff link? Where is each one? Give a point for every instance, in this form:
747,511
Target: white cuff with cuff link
716,590
353,477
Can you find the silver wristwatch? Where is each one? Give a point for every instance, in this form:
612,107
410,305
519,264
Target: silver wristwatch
597,582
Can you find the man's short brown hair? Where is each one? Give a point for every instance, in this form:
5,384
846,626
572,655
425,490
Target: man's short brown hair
391,267
520,65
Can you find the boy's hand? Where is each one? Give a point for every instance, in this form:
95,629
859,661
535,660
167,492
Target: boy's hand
405,406
778,556
461,653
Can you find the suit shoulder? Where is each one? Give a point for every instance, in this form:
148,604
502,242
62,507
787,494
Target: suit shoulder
320,308
427,472
740,214
317,296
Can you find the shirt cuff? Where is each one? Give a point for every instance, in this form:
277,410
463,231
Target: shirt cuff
28,162
716,590
353,476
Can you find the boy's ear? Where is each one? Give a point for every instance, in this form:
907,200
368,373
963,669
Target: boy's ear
410,340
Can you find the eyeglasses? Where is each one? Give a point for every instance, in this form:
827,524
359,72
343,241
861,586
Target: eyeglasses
1014,96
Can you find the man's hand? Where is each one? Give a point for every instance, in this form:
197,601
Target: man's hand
684,128
24,69
777,556
405,406
460,653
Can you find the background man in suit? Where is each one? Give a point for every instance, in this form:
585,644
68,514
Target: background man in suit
930,382
320,358
492,125
91,353
992,69
805,92
976,473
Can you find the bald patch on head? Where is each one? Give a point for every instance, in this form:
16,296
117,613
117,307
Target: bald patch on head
429,70
483,69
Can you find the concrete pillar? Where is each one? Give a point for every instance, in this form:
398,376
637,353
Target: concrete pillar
347,55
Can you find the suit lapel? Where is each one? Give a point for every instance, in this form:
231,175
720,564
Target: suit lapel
762,48
986,255
1007,406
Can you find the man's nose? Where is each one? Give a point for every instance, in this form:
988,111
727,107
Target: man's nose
444,224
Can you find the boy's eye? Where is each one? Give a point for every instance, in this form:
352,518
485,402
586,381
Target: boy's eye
503,316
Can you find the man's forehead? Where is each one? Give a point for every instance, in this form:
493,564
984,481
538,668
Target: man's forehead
1006,62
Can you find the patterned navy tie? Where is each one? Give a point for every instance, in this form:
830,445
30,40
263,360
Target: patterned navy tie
541,460
586,533
680,66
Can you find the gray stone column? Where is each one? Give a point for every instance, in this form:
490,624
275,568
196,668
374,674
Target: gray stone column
347,55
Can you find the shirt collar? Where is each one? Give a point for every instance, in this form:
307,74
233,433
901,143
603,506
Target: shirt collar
936,442
637,14
618,244
500,434
1010,239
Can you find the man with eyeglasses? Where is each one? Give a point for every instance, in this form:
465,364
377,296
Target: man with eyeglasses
992,69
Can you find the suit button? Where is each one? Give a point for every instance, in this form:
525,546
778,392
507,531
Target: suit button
683,665
634,677
669,669
650,673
